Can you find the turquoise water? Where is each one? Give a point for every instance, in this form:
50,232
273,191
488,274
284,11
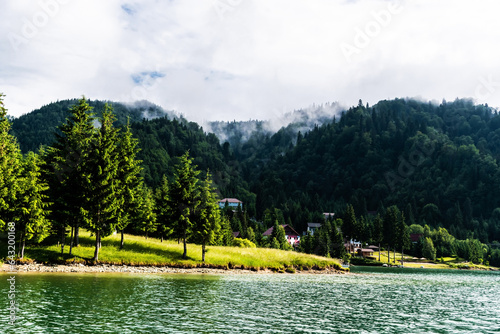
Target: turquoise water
381,300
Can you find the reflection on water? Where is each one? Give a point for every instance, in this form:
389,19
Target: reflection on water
392,301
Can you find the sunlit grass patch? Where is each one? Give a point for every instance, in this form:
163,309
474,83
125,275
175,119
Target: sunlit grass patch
139,251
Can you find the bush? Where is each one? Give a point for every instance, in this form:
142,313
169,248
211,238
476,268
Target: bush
243,243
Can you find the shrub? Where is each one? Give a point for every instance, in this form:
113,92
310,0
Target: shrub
243,243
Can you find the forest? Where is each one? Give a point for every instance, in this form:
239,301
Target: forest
386,171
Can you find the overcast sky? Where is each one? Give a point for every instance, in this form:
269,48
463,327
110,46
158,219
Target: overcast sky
247,59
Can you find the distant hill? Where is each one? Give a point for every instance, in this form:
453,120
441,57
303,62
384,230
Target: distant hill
38,127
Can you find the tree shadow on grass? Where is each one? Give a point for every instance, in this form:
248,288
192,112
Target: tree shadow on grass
137,247
46,255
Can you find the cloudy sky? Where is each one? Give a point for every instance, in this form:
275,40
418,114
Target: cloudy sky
247,59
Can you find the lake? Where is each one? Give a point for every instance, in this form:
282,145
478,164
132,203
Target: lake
381,300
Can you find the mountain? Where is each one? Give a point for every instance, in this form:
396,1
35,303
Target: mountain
440,163
38,127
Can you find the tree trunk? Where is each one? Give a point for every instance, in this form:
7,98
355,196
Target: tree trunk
77,235
19,247
402,253
203,253
71,241
162,237
121,242
379,251
394,255
388,254
184,256
97,241
22,248
63,239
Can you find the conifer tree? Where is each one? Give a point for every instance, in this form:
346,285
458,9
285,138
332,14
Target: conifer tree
183,198
10,167
129,179
32,206
162,208
65,167
100,188
207,217
146,217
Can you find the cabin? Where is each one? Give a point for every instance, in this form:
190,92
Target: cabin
312,227
231,203
365,252
291,235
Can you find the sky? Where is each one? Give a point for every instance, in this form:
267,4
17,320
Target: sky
247,59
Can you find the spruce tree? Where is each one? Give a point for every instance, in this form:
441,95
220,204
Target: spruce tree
102,200
162,208
129,179
64,169
146,217
183,198
207,217
10,167
31,212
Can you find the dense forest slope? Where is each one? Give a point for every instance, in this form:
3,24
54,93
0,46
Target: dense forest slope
438,163
38,127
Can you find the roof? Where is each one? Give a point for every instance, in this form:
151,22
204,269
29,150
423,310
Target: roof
313,225
287,228
236,234
366,250
230,200
373,247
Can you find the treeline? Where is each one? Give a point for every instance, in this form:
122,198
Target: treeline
390,231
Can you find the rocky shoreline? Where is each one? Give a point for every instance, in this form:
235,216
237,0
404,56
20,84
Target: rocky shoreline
107,268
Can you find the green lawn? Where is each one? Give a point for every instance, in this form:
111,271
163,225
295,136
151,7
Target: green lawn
139,251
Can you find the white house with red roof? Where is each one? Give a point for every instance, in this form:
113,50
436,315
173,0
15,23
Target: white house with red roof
291,235
231,202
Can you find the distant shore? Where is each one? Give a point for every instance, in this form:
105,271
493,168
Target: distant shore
107,268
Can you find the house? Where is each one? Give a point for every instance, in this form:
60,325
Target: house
231,202
312,227
365,252
351,246
374,248
291,235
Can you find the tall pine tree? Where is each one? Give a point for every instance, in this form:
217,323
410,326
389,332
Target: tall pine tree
32,206
101,197
207,217
65,167
129,179
10,167
183,198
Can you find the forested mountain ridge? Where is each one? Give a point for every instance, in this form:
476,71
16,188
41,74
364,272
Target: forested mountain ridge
38,127
437,162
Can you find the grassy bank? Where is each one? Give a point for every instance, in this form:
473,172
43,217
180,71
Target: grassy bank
139,251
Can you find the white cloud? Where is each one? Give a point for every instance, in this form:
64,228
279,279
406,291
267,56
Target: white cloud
229,59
